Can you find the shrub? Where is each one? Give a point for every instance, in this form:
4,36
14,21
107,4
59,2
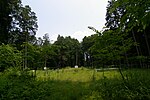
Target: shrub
135,87
9,57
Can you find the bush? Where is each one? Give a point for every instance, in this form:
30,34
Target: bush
135,87
18,85
15,84
9,57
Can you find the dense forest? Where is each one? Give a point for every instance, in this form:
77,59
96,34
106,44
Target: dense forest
123,43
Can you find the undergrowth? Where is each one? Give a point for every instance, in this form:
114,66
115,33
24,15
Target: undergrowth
18,85
135,86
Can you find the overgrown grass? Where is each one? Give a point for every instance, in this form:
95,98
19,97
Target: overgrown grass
75,84
135,86
75,75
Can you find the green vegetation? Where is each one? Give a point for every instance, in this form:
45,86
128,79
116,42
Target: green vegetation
75,86
124,41
123,44
75,75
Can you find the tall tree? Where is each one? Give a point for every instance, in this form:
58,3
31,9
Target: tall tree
16,22
86,45
133,19
113,15
46,39
27,26
68,50
7,8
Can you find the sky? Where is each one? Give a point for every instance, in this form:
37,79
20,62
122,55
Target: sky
68,17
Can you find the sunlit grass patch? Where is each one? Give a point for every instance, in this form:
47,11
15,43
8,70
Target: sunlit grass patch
75,74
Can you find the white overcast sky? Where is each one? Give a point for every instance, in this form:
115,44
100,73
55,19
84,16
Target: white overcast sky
68,17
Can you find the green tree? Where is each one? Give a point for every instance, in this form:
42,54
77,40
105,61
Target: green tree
47,52
7,10
68,51
108,47
9,57
17,23
131,16
27,26
86,45
46,40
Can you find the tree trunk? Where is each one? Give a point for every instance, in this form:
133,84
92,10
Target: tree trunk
26,56
76,57
25,61
148,47
137,48
45,62
126,57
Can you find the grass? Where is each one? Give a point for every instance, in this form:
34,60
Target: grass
75,75
75,84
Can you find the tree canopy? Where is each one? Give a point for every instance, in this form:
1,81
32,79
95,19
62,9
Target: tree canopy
16,22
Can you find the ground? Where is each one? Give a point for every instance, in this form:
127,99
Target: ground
75,84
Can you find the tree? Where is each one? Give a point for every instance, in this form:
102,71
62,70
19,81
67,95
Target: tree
46,39
48,55
39,41
7,9
68,51
86,44
16,22
113,15
9,57
27,26
109,47
131,17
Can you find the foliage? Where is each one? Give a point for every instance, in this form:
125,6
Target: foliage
26,88
48,55
111,47
9,57
127,14
18,23
86,45
33,55
68,51
136,12
125,41
131,16
20,86
135,88
26,21
7,8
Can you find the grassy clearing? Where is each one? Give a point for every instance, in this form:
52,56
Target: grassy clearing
75,84
75,75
